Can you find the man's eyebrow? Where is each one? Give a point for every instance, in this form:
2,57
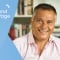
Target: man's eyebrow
39,18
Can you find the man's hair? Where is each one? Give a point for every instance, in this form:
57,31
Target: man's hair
45,6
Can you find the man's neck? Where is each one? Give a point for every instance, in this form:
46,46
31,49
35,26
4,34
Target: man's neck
40,45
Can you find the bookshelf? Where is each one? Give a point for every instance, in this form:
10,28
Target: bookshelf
57,31
21,23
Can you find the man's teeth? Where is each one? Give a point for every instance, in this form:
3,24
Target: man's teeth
43,30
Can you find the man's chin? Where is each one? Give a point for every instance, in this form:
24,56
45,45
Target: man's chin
44,37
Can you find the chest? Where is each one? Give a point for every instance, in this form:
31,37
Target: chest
49,53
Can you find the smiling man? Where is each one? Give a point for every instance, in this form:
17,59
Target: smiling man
39,43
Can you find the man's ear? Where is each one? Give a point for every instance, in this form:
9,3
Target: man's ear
31,21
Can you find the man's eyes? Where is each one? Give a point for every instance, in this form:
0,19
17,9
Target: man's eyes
38,20
41,21
49,22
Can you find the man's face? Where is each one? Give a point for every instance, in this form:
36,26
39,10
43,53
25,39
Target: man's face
43,22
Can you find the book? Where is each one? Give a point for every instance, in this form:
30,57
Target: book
28,10
20,7
20,30
24,29
25,7
28,2
12,33
16,30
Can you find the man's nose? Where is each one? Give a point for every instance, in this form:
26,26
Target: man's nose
44,25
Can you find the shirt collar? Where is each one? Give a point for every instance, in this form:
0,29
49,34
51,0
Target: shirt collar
30,38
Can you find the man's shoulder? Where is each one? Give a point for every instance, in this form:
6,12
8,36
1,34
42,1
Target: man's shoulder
20,44
20,40
56,40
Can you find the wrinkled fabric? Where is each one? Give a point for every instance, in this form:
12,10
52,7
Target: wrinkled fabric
28,49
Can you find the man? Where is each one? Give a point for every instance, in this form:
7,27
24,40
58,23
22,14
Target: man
39,43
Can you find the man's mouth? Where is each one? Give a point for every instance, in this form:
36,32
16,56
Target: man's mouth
43,31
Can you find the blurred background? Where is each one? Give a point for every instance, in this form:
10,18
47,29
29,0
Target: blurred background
21,23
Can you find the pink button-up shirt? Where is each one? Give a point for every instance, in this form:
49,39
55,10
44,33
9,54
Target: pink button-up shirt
27,48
